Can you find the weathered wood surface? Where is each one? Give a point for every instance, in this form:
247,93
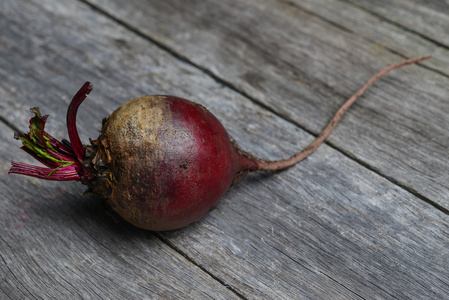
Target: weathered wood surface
365,217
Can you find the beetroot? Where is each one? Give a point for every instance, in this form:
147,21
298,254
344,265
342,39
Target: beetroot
160,162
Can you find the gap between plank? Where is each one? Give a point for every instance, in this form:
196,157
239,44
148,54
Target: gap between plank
316,15
399,25
377,15
319,271
192,261
9,124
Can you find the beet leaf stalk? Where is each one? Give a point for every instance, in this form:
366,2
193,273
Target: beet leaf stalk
63,159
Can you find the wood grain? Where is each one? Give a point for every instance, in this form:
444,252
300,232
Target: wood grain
426,18
336,226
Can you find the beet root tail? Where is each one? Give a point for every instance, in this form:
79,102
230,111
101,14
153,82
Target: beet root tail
257,164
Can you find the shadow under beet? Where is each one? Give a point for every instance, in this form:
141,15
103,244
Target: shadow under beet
63,210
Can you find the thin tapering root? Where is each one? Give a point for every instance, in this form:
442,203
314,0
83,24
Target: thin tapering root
267,165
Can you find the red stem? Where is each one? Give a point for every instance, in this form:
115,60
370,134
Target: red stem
77,146
267,165
61,174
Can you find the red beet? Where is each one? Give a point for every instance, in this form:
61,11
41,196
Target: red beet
169,161
161,162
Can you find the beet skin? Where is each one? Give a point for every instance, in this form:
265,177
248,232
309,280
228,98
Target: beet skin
164,162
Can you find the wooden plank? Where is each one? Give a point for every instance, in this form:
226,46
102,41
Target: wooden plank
328,228
303,66
429,19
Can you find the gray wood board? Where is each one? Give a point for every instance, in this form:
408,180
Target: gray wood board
303,66
428,18
327,228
